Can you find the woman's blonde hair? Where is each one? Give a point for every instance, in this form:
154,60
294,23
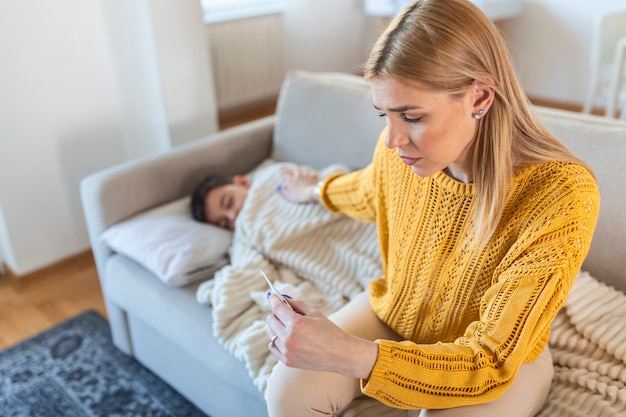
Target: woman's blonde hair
445,45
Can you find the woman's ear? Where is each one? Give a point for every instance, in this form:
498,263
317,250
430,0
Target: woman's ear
482,95
241,180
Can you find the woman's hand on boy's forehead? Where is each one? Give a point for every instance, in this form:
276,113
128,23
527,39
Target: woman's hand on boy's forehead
298,183
293,173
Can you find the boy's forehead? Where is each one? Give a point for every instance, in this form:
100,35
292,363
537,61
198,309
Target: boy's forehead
214,196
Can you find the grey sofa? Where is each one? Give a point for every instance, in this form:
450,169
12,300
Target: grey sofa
321,118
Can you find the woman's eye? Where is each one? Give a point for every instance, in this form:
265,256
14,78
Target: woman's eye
381,114
410,119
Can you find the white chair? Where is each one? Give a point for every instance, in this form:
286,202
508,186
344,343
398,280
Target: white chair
606,69
618,79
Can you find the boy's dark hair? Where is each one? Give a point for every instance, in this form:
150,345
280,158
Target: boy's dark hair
198,196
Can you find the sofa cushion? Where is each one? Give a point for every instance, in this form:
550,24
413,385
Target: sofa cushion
318,127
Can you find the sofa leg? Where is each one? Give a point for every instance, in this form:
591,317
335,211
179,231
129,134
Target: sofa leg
118,322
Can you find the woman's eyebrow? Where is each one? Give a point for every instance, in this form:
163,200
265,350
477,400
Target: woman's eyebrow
400,109
223,200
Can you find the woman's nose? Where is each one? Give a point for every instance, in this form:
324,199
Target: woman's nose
396,137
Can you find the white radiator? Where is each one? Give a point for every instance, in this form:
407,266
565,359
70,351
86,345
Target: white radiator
248,59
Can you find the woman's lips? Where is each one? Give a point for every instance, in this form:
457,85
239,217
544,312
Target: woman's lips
409,161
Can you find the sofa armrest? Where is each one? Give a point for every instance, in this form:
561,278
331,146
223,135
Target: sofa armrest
114,194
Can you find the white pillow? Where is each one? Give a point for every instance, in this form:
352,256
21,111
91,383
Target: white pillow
170,244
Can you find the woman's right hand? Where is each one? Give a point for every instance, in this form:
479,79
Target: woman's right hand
298,183
307,339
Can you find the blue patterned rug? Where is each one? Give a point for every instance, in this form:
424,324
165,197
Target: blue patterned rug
74,370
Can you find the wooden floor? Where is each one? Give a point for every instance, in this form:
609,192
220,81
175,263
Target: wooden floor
28,309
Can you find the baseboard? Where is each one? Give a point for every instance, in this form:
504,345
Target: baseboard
233,116
562,105
55,270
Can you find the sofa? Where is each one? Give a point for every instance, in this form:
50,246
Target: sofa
321,119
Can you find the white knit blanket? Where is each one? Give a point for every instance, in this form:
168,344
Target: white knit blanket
588,346
311,254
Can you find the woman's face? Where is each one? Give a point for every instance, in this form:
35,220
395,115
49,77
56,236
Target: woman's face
432,131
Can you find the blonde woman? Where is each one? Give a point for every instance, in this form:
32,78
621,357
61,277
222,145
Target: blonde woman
483,218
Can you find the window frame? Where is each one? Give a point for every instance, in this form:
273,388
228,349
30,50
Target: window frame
216,11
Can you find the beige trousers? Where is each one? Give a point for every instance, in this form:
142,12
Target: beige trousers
295,392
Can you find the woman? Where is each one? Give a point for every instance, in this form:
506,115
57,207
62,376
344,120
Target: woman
483,218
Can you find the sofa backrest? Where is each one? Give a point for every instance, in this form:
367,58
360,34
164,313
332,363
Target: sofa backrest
332,119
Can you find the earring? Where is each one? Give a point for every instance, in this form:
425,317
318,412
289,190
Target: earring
479,115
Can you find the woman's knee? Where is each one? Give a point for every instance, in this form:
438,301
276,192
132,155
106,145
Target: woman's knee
296,392
281,391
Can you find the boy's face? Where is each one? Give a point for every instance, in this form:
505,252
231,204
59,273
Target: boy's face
223,204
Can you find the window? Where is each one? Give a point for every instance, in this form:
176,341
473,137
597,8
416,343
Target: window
224,10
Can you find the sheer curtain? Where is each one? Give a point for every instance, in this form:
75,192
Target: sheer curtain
161,63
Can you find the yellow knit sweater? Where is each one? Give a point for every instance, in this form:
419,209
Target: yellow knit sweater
470,318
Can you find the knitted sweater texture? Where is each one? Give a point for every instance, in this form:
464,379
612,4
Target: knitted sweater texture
468,318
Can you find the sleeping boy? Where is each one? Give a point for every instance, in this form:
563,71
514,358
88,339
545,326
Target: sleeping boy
218,199
309,253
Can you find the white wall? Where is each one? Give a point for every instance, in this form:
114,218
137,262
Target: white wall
551,42
62,115
58,122
328,35
184,67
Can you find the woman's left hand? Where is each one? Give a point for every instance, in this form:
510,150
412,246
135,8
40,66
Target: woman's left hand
298,183
307,339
